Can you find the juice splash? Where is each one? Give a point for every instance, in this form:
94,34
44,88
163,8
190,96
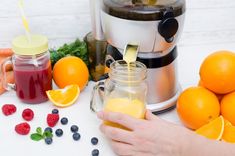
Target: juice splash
134,108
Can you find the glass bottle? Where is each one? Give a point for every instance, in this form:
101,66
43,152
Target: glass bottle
97,54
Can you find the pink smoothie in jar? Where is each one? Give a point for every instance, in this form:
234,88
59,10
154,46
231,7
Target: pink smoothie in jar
31,83
32,69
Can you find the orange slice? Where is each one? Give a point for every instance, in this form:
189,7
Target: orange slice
64,97
213,130
227,123
229,134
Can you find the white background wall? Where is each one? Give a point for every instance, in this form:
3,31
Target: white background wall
60,20
209,26
207,21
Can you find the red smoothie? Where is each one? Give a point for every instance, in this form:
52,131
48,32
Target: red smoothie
31,85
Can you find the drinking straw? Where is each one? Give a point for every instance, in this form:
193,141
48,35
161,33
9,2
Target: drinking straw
26,27
24,20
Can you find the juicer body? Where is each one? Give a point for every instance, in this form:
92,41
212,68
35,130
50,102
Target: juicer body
156,32
163,86
118,32
162,78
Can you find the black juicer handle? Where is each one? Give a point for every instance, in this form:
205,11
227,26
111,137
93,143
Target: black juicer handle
104,77
168,27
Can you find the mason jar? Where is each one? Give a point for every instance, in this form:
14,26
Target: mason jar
124,91
32,69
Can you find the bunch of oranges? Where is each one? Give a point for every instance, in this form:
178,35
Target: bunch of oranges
212,103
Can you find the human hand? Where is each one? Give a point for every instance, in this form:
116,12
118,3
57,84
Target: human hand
150,137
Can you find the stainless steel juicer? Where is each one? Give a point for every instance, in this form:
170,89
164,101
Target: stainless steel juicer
155,25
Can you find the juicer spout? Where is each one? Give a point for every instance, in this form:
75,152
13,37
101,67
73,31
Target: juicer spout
95,9
130,52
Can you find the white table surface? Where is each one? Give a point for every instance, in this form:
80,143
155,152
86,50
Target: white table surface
12,144
79,114
208,27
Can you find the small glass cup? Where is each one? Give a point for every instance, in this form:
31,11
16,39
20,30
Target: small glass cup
124,91
32,69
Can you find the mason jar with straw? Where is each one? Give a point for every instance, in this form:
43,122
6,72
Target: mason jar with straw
31,65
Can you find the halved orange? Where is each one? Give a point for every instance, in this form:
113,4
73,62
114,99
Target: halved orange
64,97
212,130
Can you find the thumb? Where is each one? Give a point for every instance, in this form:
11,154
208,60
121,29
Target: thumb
149,115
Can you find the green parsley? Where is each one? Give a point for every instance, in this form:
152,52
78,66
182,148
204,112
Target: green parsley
77,48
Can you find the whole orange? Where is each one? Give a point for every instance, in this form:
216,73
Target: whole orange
70,70
228,107
197,106
218,72
219,96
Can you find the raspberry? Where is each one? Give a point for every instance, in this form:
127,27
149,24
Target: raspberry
8,109
52,119
22,128
28,114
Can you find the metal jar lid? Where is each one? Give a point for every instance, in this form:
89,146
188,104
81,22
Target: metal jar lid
143,10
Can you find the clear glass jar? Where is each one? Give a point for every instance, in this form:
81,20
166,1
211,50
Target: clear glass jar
124,91
97,53
126,83
32,69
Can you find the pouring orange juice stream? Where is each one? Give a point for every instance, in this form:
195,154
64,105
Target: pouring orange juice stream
129,105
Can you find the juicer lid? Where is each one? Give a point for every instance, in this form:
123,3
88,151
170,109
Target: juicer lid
143,10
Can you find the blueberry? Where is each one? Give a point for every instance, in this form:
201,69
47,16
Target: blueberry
48,141
49,129
55,111
94,141
64,121
74,128
95,152
76,136
59,132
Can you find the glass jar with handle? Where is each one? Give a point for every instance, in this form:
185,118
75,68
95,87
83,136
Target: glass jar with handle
124,91
32,69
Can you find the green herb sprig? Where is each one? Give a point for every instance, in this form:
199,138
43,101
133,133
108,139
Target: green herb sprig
39,135
77,48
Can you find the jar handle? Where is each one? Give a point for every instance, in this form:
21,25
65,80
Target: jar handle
6,85
97,97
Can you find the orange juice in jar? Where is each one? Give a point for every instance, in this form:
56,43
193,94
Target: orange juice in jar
124,91
134,108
